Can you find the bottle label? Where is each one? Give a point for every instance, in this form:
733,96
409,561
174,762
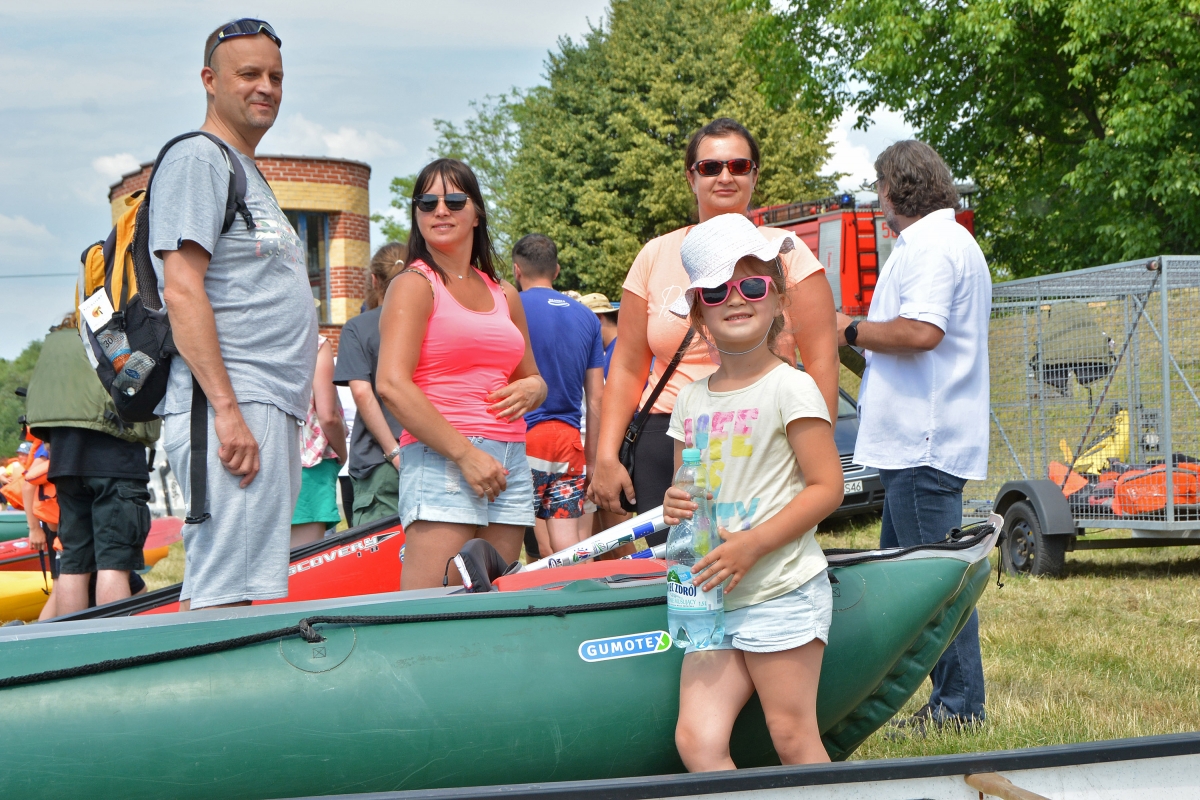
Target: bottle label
683,596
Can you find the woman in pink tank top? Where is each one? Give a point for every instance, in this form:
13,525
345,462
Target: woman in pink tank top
457,371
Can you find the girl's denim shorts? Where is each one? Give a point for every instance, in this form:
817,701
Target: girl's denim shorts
432,488
789,621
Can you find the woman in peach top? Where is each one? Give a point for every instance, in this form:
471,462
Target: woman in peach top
648,332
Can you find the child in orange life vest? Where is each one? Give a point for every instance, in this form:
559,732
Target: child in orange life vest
774,474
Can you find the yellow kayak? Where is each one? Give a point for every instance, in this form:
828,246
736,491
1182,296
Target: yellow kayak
22,595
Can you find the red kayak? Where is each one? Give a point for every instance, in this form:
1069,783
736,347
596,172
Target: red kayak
16,555
362,560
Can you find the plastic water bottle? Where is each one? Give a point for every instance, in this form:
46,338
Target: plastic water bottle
115,345
131,368
694,616
133,373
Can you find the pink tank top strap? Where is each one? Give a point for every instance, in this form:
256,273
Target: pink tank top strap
497,293
423,269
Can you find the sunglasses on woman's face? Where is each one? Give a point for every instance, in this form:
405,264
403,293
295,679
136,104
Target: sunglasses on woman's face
455,201
753,289
711,168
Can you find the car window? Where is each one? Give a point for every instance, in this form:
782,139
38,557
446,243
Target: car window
846,407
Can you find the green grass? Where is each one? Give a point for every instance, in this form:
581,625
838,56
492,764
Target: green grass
1111,649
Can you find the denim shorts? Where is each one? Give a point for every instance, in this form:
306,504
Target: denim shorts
787,622
432,488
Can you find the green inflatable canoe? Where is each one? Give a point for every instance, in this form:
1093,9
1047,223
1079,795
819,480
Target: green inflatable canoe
571,679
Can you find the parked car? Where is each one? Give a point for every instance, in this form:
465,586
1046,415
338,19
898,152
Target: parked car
864,489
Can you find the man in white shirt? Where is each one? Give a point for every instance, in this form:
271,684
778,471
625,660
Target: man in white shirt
923,404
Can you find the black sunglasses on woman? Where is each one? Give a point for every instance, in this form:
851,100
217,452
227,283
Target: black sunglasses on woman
455,201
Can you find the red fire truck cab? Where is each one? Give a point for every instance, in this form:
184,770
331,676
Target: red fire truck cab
851,241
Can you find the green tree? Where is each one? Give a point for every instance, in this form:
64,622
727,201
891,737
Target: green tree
13,375
1078,119
488,142
600,165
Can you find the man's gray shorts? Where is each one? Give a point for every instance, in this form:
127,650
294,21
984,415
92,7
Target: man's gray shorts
242,551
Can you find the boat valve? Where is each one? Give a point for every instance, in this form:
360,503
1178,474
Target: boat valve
308,633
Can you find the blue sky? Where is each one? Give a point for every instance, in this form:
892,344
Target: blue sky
93,88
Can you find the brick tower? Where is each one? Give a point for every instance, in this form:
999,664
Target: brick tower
327,203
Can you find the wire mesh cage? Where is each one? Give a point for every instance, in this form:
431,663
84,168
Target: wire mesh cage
1094,377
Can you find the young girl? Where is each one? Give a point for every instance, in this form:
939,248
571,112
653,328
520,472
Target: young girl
774,474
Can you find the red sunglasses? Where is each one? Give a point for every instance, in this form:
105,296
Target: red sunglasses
753,289
711,168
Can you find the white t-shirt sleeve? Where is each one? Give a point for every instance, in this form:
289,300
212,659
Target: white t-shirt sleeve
799,397
927,287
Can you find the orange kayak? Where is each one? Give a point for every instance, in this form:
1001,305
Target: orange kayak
16,555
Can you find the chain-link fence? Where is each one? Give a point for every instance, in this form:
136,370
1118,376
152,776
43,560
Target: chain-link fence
1094,378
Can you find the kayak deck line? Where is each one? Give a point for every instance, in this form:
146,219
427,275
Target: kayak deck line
304,629
967,539
850,775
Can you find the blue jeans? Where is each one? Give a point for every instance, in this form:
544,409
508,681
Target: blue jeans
920,506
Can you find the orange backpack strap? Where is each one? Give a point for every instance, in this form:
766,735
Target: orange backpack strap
122,283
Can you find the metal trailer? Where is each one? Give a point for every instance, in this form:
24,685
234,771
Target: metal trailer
1095,416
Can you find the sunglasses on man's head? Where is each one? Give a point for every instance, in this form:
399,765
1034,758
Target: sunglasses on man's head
753,289
455,201
711,168
243,27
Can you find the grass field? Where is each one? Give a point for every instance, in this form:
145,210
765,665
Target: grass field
1111,649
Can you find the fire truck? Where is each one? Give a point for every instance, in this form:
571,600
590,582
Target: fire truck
852,241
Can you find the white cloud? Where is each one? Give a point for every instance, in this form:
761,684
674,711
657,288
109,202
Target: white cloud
854,151
299,136
854,160
111,168
21,242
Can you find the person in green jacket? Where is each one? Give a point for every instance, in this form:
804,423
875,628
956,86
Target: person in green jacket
98,464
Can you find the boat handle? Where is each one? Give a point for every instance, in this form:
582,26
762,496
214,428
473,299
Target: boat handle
996,785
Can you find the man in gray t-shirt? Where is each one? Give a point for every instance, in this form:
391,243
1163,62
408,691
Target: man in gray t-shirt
243,320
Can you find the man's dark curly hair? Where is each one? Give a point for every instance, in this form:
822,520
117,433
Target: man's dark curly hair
915,178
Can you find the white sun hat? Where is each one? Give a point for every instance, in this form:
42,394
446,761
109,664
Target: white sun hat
712,249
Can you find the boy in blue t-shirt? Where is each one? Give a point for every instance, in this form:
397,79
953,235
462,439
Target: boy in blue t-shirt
565,337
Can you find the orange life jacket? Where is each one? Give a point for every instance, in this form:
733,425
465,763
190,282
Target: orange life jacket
1144,491
13,490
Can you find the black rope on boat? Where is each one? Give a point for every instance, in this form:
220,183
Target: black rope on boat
304,629
967,538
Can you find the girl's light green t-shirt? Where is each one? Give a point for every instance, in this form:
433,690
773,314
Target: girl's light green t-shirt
752,471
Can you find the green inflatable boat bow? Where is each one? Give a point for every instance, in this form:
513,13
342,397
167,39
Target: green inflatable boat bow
429,689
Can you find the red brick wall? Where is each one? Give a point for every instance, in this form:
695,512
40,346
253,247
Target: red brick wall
347,281
130,183
348,225
314,170
333,333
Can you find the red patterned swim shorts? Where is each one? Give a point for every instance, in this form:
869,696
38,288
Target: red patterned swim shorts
555,453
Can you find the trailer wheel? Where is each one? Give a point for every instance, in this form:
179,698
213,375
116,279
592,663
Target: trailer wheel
1025,549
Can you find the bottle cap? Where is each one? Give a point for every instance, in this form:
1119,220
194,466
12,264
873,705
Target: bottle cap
691,455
